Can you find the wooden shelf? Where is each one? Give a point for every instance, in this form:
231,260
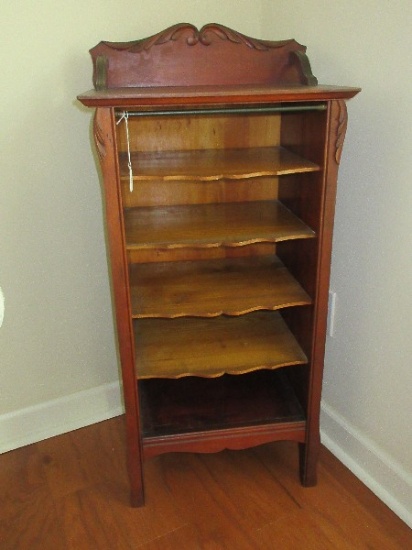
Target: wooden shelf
209,288
213,347
212,225
183,414
214,164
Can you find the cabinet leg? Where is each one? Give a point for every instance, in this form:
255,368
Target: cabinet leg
308,460
136,483
134,462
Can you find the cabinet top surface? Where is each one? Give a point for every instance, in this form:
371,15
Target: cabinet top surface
212,95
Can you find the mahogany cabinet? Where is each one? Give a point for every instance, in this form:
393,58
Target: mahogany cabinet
219,155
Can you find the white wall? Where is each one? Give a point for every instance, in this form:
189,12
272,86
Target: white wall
367,409
57,337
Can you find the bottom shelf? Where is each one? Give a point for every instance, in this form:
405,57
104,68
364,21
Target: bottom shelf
207,415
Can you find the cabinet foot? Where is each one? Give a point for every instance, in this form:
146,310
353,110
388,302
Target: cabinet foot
308,460
136,498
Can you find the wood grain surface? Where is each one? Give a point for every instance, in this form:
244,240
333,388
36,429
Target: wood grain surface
212,225
213,347
71,493
211,288
215,164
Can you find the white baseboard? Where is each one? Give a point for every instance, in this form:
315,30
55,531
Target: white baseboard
59,416
372,465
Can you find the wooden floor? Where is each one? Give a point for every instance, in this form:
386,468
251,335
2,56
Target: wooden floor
70,492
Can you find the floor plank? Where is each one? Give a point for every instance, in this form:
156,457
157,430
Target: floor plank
71,493
28,518
334,506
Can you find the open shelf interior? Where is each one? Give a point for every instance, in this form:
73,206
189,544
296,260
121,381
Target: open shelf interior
219,211
194,404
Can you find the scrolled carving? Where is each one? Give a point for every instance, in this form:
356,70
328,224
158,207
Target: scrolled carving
101,72
196,36
224,33
306,69
342,122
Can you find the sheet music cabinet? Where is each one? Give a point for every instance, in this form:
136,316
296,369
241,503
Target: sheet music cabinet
219,237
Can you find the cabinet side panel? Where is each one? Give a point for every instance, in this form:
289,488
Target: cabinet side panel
308,382
304,134
337,118
105,139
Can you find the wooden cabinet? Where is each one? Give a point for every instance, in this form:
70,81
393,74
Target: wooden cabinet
219,156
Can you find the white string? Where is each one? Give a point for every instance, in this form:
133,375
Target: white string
125,116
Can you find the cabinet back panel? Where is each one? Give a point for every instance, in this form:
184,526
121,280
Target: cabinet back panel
185,254
162,193
172,133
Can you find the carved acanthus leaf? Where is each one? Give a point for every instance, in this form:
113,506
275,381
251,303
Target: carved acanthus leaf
342,122
99,136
